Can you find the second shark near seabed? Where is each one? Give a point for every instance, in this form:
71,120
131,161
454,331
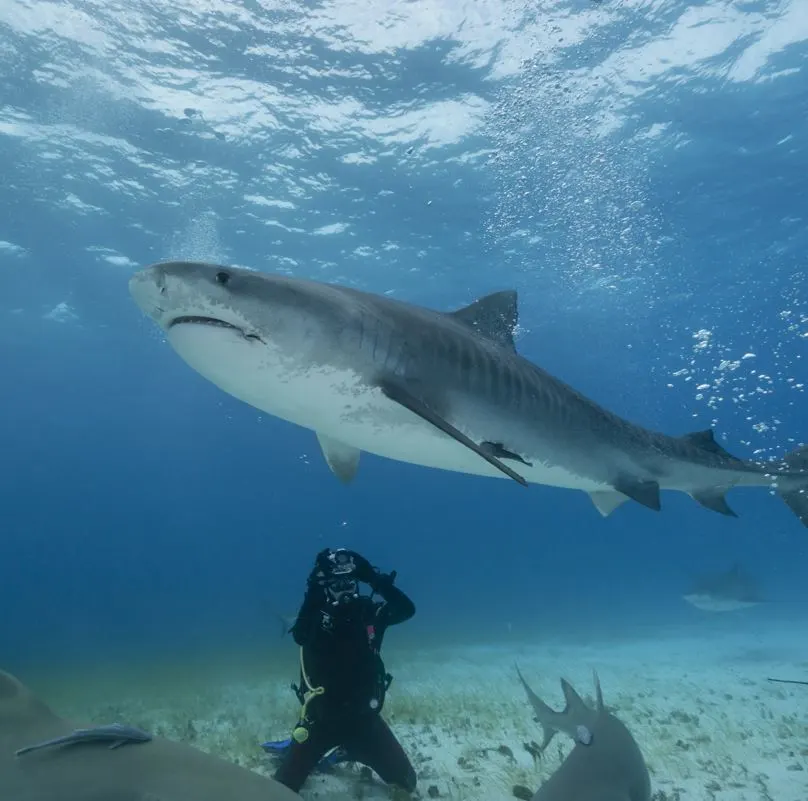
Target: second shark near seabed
45,758
605,764
725,592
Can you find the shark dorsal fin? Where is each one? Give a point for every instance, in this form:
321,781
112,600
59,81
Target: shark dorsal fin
598,692
575,707
493,316
706,441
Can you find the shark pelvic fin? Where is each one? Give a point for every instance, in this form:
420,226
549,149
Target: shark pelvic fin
606,502
494,316
644,492
398,394
342,460
713,499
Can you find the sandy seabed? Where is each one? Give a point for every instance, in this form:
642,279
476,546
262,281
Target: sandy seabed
711,727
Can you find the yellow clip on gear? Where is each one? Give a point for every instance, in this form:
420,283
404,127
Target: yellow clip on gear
300,733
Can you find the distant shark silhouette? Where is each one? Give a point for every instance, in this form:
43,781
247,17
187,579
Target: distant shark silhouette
725,592
45,758
606,763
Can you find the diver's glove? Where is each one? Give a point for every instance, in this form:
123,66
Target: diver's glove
382,582
363,570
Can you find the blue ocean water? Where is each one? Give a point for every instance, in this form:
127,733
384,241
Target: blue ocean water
635,170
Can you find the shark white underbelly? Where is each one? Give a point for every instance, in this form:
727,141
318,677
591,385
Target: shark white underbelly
341,405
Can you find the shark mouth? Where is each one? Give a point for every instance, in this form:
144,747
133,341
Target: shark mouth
213,322
186,318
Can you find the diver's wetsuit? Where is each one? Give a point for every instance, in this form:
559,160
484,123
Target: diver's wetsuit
340,653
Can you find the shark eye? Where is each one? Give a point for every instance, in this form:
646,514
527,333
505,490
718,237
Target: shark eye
222,278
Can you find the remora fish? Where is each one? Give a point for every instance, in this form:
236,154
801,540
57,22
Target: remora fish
443,390
116,734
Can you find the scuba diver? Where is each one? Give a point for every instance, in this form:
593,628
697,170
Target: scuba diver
343,681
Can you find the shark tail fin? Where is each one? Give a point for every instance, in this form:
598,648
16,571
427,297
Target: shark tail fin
795,494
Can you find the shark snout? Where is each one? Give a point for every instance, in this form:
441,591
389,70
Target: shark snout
147,288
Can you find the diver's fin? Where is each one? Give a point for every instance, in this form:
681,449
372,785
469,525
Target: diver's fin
277,746
713,499
644,492
494,316
343,460
606,502
398,394
501,452
797,498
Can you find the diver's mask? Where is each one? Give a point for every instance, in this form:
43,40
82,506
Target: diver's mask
341,590
340,562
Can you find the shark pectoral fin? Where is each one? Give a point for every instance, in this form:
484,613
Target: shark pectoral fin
644,492
402,396
342,460
606,502
713,499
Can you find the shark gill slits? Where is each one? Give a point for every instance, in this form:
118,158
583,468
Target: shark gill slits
521,390
452,349
501,385
465,367
506,385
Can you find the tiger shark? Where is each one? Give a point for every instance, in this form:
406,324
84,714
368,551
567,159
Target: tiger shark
445,390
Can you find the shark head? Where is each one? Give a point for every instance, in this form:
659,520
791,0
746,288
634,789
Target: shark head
247,332
196,300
